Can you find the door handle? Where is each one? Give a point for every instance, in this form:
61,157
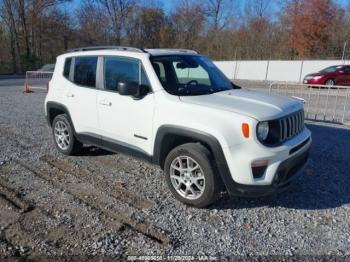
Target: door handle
70,95
105,103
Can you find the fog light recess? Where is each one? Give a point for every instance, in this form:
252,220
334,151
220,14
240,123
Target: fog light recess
258,168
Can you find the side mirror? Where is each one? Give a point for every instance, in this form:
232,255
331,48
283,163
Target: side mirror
341,72
128,89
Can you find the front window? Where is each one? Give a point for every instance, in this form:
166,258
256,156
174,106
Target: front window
119,69
189,75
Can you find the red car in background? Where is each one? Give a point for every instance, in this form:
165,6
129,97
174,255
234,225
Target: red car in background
333,75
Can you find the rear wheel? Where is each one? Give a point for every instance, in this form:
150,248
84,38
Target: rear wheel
63,135
190,175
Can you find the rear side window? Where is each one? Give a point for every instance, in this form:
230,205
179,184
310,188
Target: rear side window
85,71
66,69
117,69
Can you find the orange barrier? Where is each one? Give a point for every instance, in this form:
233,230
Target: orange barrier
25,88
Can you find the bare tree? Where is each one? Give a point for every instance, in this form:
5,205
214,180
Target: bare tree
258,8
187,24
218,13
8,15
94,25
33,32
118,11
144,26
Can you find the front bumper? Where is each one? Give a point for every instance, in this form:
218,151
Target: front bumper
284,164
319,81
286,172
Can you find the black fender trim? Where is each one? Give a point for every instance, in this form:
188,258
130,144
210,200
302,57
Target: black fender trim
55,105
207,139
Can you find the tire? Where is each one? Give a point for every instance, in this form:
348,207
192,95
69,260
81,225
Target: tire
202,180
330,82
63,136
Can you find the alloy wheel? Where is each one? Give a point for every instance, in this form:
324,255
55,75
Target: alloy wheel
62,135
187,177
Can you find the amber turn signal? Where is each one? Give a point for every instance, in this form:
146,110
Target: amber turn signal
245,130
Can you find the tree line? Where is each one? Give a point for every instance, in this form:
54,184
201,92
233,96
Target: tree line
34,32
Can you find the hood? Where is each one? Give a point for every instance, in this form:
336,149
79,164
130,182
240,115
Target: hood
258,105
317,74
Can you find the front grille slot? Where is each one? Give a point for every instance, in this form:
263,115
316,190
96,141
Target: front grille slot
291,125
295,149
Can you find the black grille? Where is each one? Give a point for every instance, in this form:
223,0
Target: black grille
291,125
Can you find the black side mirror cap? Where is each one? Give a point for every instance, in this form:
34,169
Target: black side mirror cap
129,89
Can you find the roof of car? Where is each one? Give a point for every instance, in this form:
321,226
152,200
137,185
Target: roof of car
156,52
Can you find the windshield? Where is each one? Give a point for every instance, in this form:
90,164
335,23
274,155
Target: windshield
189,75
330,69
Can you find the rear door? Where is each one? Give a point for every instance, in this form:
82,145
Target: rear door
125,120
80,94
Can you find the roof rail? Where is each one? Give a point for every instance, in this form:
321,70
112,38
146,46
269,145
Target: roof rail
172,49
120,48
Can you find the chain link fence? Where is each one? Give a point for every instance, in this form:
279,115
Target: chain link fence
37,80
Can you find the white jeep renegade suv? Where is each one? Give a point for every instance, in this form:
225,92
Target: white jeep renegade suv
175,109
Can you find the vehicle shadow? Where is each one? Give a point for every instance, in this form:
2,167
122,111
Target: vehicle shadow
325,181
94,151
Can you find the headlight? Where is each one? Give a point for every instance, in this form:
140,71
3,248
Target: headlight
312,77
263,130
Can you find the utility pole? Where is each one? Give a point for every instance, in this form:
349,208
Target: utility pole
343,56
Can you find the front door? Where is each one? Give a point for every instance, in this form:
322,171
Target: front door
123,119
347,75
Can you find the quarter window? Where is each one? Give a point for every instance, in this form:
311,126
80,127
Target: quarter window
85,71
66,69
160,71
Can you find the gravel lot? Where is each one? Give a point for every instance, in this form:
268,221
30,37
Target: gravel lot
100,203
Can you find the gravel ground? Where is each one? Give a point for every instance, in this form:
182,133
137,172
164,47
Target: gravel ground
106,204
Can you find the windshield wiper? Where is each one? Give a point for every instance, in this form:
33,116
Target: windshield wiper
217,90
234,86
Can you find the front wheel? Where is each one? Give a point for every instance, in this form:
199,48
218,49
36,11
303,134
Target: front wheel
330,82
190,175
